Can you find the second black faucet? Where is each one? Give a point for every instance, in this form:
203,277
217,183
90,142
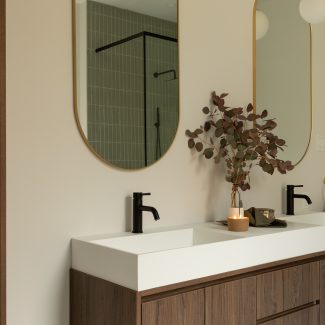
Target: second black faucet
291,196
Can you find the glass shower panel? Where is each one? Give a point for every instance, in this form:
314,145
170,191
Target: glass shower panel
161,95
115,110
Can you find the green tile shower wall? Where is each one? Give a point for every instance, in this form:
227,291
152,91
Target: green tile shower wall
115,85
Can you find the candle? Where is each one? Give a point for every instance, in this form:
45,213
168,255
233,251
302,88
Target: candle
236,220
236,213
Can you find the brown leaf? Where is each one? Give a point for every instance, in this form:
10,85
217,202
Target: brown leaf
206,110
239,125
228,119
198,131
262,162
219,124
244,186
207,126
282,167
229,178
231,140
270,125
252,117
273,153
240,154
199,146
208,153
231,131
280,142
241,117
191,143
272,146
223,95
230,113
289,165
268,168
273,162
190,134
223,143
270,136
260,150
238,110
264,114
249,108
215,99
251,155
218,133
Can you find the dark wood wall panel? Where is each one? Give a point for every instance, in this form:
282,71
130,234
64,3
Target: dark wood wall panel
2,162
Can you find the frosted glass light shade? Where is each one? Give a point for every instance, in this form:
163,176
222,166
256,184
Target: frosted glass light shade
262,24
313,11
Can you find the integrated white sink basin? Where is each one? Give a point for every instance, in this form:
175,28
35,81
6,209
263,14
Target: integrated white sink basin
177,254
312,219
165,240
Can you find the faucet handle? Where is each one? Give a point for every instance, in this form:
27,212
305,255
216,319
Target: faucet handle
293,186
139,194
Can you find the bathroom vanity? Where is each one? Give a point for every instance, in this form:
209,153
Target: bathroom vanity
202,274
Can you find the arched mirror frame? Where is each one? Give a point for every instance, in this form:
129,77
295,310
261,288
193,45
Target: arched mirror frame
75,101
311,79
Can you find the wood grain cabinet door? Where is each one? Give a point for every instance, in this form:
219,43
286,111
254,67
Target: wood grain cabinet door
309,316
322,292
182,309
282,290
231,303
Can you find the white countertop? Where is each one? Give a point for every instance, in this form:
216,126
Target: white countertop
165,256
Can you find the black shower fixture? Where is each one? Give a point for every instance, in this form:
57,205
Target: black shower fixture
173,71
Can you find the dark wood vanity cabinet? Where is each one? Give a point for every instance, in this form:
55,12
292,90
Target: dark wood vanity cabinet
308,316
289,292
231,303
287,289
185,308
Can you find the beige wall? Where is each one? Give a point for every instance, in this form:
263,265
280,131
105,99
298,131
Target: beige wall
57,189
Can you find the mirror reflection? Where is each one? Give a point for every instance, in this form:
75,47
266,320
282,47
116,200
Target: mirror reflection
283,72
126,79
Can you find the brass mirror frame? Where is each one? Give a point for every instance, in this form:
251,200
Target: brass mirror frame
75,102
311,78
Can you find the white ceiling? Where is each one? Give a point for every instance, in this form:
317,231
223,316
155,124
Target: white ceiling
164,9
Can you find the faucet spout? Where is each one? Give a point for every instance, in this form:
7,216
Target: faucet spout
138,208
291,195
303,196
152,210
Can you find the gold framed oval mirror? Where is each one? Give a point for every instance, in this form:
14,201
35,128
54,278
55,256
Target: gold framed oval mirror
126,89
282,46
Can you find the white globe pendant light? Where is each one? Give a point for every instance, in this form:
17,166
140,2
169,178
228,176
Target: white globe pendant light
262,24
313,11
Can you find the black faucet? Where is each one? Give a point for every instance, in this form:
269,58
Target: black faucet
138,208
291,196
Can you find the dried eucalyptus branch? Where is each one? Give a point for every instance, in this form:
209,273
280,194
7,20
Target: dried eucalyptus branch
242,138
